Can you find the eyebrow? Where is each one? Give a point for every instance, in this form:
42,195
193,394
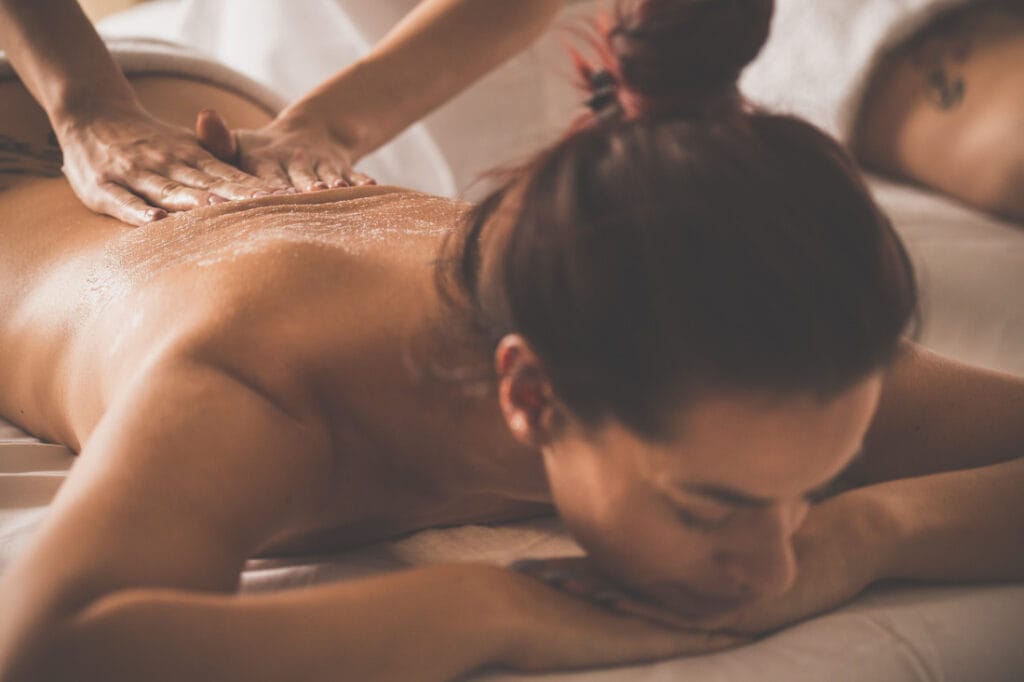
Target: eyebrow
736,498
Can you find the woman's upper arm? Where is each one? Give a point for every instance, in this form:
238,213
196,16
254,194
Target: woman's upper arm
938,414
187,472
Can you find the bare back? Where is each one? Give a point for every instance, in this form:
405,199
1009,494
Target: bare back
317,300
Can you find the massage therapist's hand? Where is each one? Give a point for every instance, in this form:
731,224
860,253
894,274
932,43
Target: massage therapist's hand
125,163
292,150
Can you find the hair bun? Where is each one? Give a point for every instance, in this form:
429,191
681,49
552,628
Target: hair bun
685,56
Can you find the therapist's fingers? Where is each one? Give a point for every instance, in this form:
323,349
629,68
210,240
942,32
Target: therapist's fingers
360,179
193,177
166,193
216,136
329,175
116,201
230,174
302,174
271,172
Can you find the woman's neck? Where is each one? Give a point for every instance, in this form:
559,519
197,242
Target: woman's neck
474,453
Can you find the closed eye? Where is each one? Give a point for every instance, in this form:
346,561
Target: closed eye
703,523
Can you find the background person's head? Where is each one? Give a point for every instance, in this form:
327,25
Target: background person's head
690,303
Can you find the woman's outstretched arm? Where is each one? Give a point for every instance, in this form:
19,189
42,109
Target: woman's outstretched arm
133,574
118,158
944,459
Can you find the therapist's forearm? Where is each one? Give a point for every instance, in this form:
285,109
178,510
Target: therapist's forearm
439,49
61,59
961,526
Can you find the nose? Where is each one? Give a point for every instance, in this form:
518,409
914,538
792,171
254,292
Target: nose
762,562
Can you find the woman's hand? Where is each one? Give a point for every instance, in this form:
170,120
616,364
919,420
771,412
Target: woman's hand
837,558
581,578
292,150
547,629
136,168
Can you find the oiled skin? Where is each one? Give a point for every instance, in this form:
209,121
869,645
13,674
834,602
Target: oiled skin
328,294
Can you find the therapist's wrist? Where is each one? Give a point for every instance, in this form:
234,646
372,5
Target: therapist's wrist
76,108
314,113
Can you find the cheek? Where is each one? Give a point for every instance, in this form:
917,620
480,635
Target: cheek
633,540
617,523
589,498
582,493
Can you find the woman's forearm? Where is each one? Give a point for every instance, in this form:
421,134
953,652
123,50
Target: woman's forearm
428,624
440,48
61,59
963,525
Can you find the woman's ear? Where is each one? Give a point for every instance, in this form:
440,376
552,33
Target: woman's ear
524,393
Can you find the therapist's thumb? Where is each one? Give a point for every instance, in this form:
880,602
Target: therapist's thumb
215,135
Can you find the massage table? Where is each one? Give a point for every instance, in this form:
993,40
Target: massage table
970,266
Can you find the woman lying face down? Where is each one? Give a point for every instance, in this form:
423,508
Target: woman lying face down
692,303
690,314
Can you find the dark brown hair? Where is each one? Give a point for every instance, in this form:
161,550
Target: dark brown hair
687,242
